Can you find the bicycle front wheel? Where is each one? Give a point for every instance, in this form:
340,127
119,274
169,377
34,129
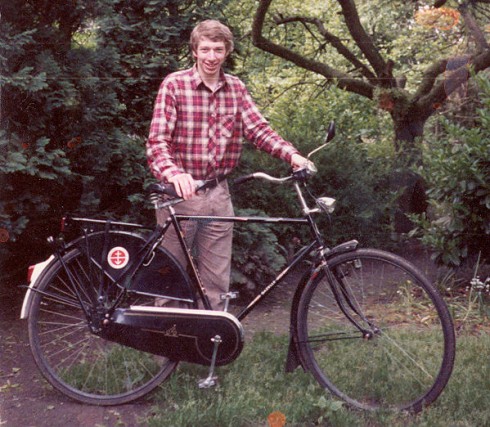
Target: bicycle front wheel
74,359
401,353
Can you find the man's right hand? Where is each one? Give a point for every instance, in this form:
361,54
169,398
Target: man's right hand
184,185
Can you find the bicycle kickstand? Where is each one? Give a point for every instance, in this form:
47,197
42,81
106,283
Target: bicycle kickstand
211,380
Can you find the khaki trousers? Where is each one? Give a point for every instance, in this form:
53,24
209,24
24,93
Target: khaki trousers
211,242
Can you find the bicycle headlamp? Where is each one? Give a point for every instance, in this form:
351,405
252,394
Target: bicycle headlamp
327,204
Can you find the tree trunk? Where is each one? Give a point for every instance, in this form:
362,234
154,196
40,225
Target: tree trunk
410,186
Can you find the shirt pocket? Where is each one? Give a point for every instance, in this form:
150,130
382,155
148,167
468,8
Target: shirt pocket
227,124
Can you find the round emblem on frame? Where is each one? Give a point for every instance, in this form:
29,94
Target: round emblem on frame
118,257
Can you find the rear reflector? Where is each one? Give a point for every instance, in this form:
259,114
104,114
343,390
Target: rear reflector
30,270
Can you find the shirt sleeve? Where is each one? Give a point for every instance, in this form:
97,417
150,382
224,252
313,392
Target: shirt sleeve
258,131
159,149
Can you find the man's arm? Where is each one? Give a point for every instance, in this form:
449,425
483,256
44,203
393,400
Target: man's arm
258,131
159,152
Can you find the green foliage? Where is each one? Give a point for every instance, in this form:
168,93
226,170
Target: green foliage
457,169
256,255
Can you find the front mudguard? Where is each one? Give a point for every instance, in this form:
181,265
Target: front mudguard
294,356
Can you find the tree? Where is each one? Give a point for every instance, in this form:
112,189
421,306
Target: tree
363,58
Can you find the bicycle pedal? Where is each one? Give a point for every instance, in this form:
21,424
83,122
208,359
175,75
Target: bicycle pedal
227,297
208,382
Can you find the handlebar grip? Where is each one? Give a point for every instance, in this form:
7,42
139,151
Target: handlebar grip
242,179
159,188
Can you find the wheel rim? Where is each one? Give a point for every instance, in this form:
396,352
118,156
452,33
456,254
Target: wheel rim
74,359
406,363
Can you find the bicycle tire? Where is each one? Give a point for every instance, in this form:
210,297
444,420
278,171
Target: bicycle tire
407,363
75,361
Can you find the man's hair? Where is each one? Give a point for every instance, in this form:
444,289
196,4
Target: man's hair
213,30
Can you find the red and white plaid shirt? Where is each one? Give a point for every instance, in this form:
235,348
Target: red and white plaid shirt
197,131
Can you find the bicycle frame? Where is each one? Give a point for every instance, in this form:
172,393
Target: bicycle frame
175,219
98,307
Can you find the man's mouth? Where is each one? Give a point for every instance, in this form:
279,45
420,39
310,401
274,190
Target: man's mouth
211,66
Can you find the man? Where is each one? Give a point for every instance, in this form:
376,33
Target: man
199,119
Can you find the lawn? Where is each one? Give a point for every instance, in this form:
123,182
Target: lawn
255,386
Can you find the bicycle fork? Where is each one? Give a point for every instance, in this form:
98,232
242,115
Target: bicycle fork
347,302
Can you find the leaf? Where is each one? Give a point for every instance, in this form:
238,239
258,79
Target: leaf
8,386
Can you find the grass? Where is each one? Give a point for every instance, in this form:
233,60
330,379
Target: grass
255,386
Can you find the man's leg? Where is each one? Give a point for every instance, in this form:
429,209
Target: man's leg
212,240
214,244
172,244
189,228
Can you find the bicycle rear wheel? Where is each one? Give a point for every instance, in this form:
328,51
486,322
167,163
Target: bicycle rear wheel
405,356
73,358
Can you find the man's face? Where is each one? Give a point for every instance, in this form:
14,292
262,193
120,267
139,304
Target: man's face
209,56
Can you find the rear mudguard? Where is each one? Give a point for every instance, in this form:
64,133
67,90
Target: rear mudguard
36,276
294,357
161,276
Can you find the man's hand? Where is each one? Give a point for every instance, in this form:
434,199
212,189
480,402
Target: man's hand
298,161
184,185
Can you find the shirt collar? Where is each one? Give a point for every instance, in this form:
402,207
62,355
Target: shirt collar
196,79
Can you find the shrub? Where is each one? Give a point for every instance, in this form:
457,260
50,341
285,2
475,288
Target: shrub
456,167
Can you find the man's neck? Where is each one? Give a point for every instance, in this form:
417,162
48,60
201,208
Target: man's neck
210,81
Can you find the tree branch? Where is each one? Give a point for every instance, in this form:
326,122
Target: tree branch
342,80
473,28
433,90
331,39
429,78
362,39
443,88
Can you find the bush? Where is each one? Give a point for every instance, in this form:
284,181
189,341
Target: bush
456,167
257,255
78,84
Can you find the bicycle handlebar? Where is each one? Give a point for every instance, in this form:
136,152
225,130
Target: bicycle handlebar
299,175
260,175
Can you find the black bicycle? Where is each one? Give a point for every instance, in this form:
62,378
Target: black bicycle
366,323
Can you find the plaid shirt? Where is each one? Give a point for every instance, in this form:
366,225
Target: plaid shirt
197,131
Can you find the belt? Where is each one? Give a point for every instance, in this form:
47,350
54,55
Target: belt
212,183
